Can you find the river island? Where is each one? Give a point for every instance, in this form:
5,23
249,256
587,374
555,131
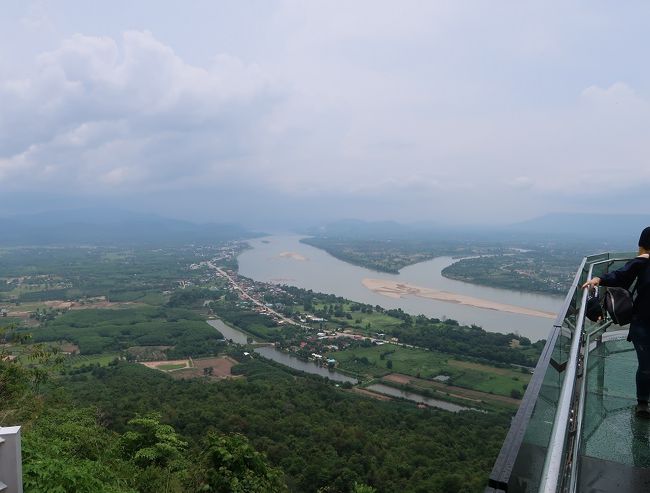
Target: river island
293,256
394,289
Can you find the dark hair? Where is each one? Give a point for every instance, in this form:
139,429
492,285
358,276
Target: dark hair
644,240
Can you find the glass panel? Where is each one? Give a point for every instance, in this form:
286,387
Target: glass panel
610,427
615,451
527,471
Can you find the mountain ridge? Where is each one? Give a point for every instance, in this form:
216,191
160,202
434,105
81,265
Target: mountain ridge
107,226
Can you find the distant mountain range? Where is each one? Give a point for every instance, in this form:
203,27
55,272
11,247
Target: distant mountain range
111,227
620,231
587,226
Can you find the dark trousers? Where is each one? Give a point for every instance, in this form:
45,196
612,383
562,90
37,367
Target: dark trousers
643,371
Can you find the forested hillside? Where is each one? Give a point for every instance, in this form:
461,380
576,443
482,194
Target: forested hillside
319,436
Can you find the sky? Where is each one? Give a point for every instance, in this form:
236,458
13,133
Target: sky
294,111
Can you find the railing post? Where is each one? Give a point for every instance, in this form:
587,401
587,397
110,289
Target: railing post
11,468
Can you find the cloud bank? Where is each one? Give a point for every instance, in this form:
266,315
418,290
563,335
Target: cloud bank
104,114
434,109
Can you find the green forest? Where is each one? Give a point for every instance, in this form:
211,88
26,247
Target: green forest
549,270
124,427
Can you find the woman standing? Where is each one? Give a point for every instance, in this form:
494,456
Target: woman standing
636,268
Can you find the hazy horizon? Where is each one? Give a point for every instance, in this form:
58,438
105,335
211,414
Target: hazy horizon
294,113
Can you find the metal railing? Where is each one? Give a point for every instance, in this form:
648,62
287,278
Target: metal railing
541,451
565,415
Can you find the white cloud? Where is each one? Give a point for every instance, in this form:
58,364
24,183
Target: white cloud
94,108
618,94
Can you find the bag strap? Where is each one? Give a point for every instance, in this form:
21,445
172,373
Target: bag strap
636,281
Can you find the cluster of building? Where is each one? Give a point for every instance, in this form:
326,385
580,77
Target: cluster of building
315,341
315,346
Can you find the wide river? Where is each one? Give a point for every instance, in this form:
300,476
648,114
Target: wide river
282,259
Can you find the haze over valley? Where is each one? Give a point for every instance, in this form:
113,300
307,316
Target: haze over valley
308,247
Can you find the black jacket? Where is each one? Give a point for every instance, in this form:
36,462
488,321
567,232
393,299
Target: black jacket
636,268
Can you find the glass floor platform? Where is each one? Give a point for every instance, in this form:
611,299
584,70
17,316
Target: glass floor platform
609,420
615,444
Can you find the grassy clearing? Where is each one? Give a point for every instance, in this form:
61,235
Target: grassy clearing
502,381
425,364
374,322
411,361
155,299
459,395
24,306
101,359
368,323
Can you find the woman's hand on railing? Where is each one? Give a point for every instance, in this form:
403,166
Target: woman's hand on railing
591,283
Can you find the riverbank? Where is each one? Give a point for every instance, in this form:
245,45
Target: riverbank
324,273
398,290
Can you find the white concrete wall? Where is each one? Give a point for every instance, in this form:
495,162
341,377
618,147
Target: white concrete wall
11,467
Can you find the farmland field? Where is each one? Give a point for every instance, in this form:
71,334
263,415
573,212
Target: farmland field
220,368
377,361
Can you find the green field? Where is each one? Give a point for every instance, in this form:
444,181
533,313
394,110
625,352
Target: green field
83,360
369,323
102,331
501,381
416,362
21,306
373,322
6,321
428,364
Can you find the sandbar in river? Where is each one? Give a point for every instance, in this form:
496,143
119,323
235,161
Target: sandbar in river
394,289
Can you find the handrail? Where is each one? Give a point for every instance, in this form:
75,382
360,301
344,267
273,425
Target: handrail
512,466
504,464
580,408
562,313
553,462
552,472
